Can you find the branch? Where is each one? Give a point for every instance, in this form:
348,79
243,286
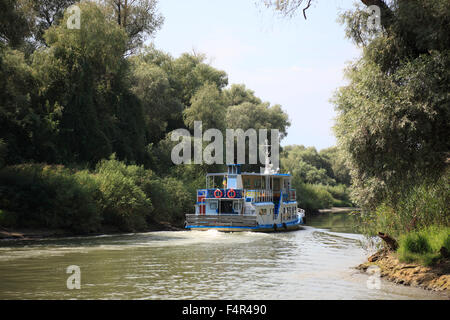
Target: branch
306,8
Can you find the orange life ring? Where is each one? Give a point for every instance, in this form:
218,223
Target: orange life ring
218,193
231,193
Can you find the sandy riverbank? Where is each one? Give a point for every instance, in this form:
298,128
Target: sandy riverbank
436,278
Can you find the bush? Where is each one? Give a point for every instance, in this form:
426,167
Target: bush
3,149
417,243
312,197
340,194
42,196
123,203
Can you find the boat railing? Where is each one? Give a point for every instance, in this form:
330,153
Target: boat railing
258,195
292,195
224,193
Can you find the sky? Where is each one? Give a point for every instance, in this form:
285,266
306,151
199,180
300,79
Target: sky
296,63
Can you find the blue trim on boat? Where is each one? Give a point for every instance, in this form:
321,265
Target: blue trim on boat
262,226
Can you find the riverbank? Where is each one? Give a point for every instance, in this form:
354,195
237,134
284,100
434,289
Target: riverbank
435,278
37,234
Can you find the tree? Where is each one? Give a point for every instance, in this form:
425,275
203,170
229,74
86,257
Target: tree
336,158
152,83
207,105
85,73
257,116
238,94
139,18
44,14
290,8
13,23
393,117
191,73
307,165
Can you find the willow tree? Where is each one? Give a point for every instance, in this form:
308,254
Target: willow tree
394,116
139,18
290,8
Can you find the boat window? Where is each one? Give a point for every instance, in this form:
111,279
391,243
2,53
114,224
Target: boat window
232,182
236,206
213,205
247,183
276,184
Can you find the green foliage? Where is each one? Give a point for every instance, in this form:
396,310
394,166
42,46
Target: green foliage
207,106
312,197
238,94
124,204
393,117
125,197
171,200
3,150
314,177
191,73
341,195
13,23
307,165
42,14
423,246
139,19
41,196
257,116
339,168
75,96
151,83
423,205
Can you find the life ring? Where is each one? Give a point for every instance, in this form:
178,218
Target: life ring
218,193
231,193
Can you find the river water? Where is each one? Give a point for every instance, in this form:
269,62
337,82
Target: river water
316,262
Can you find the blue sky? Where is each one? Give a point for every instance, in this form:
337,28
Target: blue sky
293,62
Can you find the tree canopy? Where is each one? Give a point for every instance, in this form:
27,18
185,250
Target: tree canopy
393,117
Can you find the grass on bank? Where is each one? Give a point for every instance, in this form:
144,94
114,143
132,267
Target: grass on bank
419,220
424,246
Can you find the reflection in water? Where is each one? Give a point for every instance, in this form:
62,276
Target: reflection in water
311,263
337,222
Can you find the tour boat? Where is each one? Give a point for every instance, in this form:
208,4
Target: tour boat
241,201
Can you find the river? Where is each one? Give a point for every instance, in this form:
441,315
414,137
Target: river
316,262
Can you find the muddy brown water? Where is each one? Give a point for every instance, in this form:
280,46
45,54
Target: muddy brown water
316,262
